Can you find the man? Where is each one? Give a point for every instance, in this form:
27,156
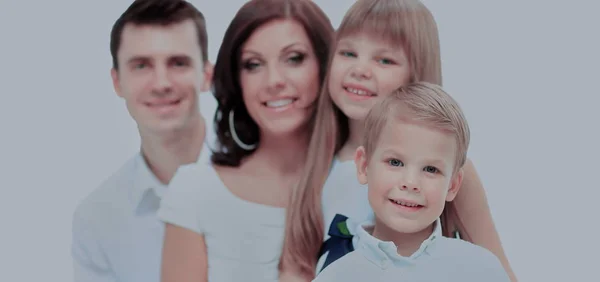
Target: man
160,64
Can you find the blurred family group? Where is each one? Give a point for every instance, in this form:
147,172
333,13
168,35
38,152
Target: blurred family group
331,155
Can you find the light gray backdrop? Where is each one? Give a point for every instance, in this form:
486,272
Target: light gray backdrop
525,71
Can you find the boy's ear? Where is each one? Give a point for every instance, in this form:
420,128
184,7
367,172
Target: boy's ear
208,75
360,160
114,74
454,185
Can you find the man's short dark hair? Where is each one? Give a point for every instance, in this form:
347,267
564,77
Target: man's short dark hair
162,13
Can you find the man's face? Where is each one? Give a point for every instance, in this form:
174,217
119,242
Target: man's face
160,73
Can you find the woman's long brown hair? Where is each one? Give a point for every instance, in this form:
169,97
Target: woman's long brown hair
302,241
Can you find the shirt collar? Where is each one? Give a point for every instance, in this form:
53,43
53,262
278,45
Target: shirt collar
385,253
147,189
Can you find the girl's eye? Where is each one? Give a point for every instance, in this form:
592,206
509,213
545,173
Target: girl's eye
431,169
395,162
386,61
347,54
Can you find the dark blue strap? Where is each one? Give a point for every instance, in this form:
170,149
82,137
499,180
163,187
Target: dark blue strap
339,242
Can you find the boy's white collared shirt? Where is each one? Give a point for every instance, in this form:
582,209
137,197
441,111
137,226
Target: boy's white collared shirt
385,254
438,259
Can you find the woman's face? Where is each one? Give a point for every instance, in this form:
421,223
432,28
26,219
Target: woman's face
279,77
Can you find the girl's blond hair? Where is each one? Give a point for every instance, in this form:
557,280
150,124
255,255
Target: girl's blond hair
410,25
407,24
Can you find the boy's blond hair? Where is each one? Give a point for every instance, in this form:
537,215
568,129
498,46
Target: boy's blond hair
424,103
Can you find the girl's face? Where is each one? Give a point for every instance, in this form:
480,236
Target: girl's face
279,77
365,69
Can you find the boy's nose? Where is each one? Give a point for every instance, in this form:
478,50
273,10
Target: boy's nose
410,182
412,188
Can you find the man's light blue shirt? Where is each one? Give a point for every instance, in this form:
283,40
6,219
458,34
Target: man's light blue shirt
116,234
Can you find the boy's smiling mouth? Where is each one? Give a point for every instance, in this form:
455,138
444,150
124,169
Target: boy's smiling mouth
406,205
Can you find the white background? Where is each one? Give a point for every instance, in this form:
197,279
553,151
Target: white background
525,72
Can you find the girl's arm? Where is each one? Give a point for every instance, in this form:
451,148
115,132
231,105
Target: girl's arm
473,209
184,256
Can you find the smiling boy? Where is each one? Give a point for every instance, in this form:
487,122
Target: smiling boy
414,148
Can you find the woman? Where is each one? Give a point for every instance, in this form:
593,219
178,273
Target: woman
225,218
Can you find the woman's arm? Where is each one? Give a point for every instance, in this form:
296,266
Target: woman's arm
184,256
473,209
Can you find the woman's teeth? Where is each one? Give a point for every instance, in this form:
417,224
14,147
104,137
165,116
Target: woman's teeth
279,103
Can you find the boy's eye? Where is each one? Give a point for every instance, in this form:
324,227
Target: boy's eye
395,162
431,169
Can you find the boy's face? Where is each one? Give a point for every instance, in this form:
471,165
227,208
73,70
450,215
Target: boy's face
365,69
409,175
160,73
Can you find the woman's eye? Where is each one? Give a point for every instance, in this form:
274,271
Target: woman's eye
297,59
250,65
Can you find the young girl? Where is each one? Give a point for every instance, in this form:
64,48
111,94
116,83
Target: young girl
380,46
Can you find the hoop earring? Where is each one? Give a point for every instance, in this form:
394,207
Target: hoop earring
235,137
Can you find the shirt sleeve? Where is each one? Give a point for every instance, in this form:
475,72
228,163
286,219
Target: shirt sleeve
348,268
496,273
90,264
488,267
180,205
